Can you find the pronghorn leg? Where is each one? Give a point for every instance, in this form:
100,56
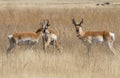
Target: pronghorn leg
54,45
59,47
89,43
10,47
43,43
47,43
89,49
57,44
110,45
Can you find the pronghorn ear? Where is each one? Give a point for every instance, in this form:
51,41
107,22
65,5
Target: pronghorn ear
73,20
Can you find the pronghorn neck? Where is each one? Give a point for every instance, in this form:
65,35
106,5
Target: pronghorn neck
46,31
39,31
81,32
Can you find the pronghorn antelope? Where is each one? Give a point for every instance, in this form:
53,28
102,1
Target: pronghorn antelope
90,37
49,37
24,38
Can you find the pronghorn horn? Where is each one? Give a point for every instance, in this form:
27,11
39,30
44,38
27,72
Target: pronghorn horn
44,24
81,22
48,23
73,20
41,24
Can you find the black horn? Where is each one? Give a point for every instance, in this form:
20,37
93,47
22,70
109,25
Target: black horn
48,22
73,20
81,22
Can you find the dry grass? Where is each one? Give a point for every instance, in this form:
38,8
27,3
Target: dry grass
24,62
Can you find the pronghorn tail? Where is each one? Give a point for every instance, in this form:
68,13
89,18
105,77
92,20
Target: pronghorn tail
112,36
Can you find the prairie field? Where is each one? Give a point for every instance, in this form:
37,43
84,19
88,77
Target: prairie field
73,62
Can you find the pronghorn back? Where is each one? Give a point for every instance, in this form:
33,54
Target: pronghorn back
25,34
104,34
51,31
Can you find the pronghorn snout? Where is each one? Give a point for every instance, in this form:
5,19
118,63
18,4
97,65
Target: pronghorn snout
77,30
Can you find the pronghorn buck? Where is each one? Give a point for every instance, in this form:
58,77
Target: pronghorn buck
24,38
49,37
90,37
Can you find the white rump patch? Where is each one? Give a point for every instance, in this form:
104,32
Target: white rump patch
10,36
54,37
112,35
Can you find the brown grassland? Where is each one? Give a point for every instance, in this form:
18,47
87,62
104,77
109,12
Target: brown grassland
73,62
